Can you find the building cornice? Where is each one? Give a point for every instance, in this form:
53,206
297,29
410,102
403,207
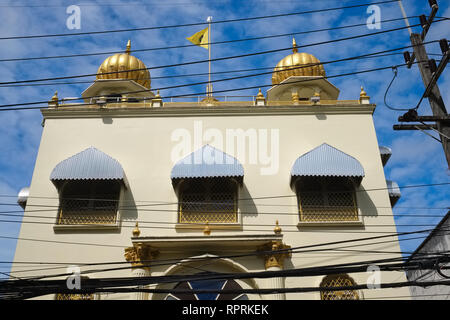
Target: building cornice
198,111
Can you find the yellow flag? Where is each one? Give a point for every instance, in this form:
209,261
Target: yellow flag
200,38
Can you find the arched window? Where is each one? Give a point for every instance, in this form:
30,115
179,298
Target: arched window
324,199
207,285
75,296
338,280
89,202
68,296
89,184
212,200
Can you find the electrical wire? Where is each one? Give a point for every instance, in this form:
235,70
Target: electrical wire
172,76
366,213
102,284
395,71
194,45
220,59
238,199
151,263
194,226
194,24
435,130
11,108
171,261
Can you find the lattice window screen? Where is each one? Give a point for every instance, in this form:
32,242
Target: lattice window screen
339,280
326,199
66,296
211,200
89,202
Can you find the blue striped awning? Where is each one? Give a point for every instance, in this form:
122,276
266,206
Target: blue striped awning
207,162
90,164
327,161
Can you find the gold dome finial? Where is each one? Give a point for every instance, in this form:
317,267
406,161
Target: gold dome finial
297,64
136,231
55,96
126,67
363,93
277,229
260,94
128,49
207,230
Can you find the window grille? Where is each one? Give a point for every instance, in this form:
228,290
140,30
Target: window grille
339,280
89,202
212,200
68,296
323,199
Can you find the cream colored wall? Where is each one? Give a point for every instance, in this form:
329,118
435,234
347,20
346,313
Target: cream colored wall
143,146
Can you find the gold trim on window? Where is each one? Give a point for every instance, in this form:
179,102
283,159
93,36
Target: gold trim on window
338,280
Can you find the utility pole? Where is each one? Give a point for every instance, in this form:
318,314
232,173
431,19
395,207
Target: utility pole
430,74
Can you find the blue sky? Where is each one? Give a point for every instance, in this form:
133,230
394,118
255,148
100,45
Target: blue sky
416,159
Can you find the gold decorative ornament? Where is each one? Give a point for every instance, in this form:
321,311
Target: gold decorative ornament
363,93
277,229
207,230
260,99
132,67
296,64
54,100
136,231
128,49
363,97
275,258
139,255
295,97
157,101
210,100
260,94
294,45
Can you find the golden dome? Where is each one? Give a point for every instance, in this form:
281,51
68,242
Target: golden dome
296,59
122,62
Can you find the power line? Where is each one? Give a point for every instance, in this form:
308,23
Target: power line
239,199
219,80
396,234
254,291
329,251
408,297
194,45
195,24
366,213
175,76
180,261
102,284
9,107
395,71
222,58
194,226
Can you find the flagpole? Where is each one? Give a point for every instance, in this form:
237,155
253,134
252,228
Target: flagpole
209,57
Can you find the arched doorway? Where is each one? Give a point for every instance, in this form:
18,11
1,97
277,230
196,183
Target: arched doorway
212,284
